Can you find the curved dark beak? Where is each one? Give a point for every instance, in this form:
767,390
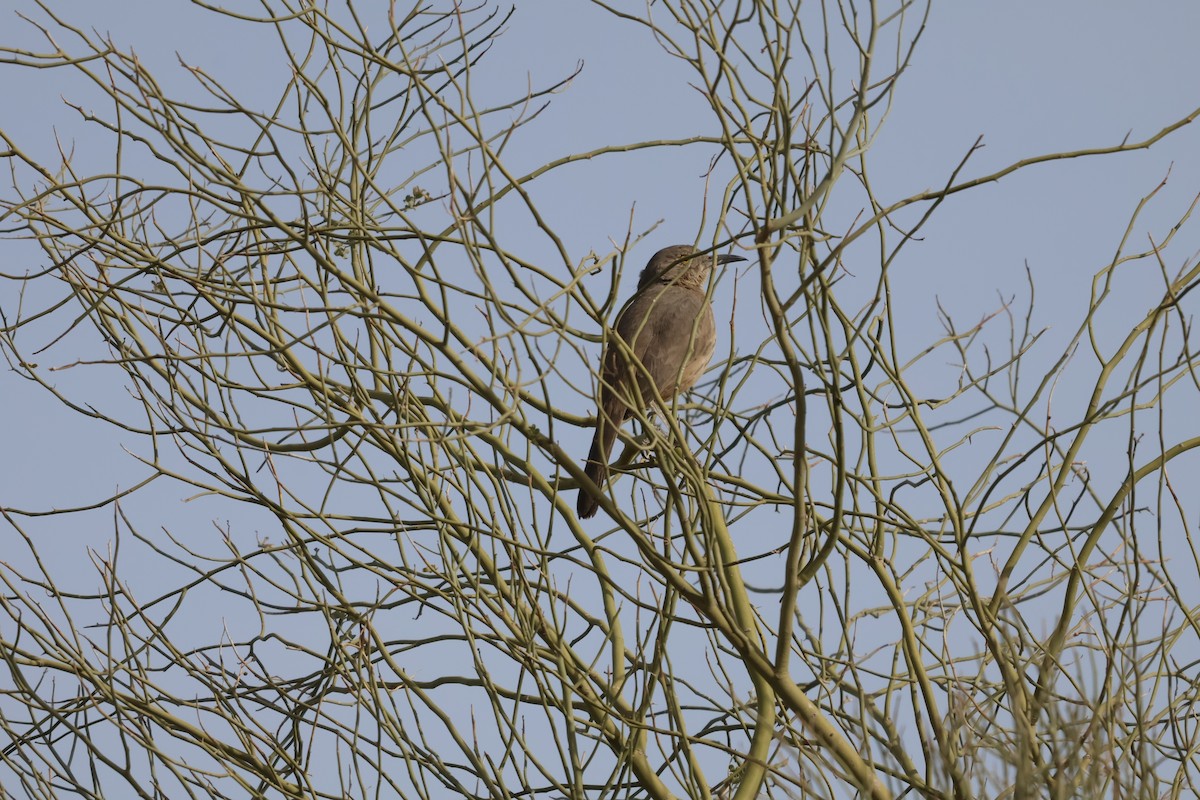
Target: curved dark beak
728,259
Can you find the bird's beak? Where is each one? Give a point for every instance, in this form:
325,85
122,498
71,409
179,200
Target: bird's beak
728,259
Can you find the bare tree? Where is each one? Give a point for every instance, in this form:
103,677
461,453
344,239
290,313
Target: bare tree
320,323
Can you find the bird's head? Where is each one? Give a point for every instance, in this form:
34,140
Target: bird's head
681,264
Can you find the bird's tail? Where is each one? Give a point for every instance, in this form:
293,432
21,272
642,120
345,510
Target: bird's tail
596,467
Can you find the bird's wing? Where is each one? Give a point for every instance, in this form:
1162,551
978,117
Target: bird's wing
676,342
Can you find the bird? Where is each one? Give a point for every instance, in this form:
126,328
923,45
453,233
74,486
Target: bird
667,327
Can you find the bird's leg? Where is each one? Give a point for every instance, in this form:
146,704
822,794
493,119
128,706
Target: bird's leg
641,443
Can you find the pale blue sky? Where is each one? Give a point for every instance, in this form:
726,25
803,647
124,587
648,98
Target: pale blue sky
1029,77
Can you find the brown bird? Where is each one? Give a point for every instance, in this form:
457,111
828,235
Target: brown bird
668,327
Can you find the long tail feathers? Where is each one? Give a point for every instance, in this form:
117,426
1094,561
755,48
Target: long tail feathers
597,466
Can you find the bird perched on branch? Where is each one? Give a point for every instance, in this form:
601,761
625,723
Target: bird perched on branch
665,334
